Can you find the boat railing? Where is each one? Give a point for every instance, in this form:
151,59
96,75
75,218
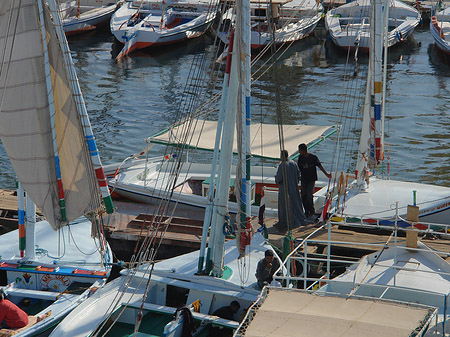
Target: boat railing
308,269
389,223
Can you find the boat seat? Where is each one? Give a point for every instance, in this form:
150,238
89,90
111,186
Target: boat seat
43,295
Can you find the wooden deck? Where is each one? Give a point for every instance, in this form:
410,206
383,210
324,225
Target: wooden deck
131,222
8,211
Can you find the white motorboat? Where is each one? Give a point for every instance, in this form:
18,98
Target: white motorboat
81,16
141,24
291,20
349,25
440,29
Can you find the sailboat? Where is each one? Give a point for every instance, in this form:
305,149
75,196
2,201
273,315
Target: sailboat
292,20
146,180
81,16
141,24
440,27
370,197
144,299
48,267
348,25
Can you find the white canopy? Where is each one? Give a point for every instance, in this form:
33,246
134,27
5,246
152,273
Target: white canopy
292,313
264,137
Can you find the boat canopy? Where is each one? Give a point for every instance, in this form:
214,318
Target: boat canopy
264,137
287,312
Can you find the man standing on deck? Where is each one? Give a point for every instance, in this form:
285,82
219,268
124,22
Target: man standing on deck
307,163
287,178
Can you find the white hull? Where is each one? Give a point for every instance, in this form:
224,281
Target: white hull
62,260
153,25
131,183
296,21
440,30
176,272
377,202
349,25
90,16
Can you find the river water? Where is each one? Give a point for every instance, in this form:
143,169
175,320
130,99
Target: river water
134,99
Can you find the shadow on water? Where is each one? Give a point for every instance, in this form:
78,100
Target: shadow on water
439,59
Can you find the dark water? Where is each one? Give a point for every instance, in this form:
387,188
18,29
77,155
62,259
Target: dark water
130,101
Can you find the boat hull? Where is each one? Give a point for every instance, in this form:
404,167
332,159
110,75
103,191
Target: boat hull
375,205
189,21
88,21
44,279
350,28
179,272
440,30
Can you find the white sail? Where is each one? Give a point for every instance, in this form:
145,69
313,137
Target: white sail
25,110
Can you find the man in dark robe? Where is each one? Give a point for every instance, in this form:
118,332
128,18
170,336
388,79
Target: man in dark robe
287,178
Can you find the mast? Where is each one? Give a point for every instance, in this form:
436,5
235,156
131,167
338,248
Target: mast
246,120
212,183
220,211
21,216
378,114
371,145
79,100
30,231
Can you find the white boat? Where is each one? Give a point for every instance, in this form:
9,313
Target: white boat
147,180
349,25
440,29
293,20
122,298
48,267
144,299
372,195
81,16
403,272
139,24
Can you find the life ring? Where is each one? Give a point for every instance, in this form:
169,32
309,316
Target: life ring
300,268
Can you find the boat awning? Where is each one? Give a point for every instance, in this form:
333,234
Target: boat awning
264,137
290,313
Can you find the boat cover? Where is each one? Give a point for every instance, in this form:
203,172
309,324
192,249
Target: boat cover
264,137
296,313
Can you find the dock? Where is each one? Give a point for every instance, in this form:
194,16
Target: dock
181,233
8,211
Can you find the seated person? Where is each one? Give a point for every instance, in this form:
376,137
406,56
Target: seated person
266,268
11,316
226,312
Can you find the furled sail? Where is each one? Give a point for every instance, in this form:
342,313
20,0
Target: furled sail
26,106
